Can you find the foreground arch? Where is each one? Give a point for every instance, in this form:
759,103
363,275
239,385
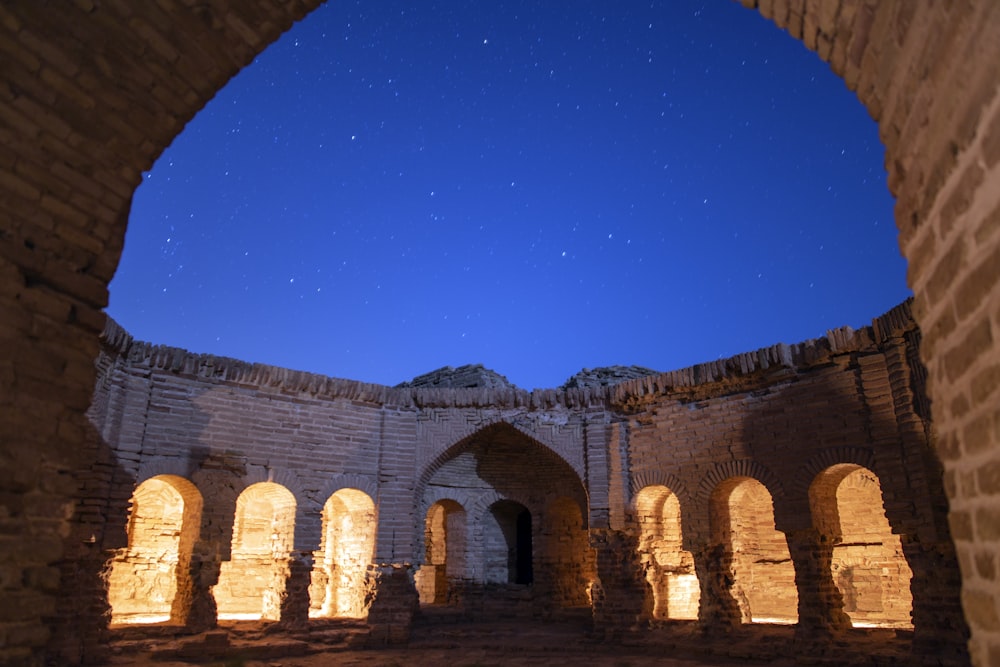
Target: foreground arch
445,535
763,581
669,567
252,582
341,564
93,94
150,580
867,561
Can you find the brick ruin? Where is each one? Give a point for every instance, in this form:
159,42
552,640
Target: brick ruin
793,485
92,92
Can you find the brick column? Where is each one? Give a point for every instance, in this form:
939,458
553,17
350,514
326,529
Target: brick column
393,601
295,602
939,628
619,594
821,606
201,613
718,610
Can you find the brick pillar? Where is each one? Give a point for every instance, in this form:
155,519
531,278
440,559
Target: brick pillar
821,606
201,613
80,633
939,629
392,603
718,610
295,602
619,594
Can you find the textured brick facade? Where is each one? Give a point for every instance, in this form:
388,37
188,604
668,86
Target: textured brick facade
750,490
93,91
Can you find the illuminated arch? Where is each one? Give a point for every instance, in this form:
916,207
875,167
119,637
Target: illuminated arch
97,142
669,568
868,564
340,569
150,579
763,576
252,583
445,545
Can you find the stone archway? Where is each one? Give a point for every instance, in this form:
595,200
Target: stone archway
444,551
762,574
867,560
149,581
523,510
346,549
251,583
669,567
93,93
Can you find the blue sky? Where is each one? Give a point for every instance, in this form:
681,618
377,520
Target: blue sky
535,186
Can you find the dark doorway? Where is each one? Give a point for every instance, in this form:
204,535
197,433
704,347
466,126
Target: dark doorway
522,570
514,520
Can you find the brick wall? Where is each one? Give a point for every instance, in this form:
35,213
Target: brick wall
739,502
94,91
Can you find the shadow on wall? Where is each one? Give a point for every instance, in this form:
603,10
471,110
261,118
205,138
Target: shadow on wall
845,451
516,512
179,496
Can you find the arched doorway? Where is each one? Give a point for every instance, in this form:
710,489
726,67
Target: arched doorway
444,551
341,564
252,581
150,579
763,576
526,520
509,551
867,561
669,568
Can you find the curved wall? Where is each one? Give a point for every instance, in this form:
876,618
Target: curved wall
94,91
781,416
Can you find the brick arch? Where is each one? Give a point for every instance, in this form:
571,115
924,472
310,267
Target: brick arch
658,478
163,466
500,424
308,517
740,468
495,424
349,526
867,559
806,474
134,585
431,498
305,534
484,501
335,483
476,514
94,93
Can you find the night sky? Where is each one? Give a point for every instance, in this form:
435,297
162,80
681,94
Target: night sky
535,186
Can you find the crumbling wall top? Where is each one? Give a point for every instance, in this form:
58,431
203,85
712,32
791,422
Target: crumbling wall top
476,386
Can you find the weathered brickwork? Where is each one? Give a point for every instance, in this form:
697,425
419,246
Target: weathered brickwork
790,485
93,91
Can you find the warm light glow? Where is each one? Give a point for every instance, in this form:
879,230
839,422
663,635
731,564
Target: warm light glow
339,577
146,578
669,569
868,564
252,581
763,573
444,551
566,563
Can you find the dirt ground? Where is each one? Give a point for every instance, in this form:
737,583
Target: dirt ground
525,643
